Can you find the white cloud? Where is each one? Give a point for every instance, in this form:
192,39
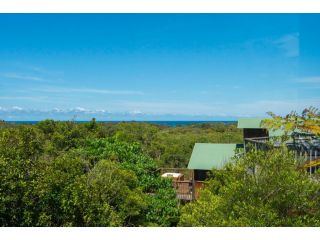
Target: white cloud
253,108
135,112
236,87
17,108
169,107
58,110
23,77
37,69
277,106
181,110
289,43
314,79
89,90
80,109
40,98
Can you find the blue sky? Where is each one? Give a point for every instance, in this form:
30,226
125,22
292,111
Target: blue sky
157,66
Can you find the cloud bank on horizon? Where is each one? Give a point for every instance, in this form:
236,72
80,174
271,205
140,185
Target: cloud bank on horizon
157,66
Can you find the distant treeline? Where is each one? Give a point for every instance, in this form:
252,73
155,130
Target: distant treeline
172,146
169,146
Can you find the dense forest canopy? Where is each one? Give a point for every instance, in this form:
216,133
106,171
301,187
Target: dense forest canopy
95,174
172,146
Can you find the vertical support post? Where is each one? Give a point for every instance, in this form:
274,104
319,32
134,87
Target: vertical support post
310,169
316,157
193,187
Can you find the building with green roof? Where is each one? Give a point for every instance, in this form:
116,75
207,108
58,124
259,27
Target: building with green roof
252,128
206,156
249,122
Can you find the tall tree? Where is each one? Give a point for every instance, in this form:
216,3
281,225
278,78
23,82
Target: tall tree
307,121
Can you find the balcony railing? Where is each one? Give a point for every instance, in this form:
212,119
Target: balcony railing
305,147
186,187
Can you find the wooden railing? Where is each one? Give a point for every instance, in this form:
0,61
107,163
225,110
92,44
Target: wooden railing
184,184
186,188
306,148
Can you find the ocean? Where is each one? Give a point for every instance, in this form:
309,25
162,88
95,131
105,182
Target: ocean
164,123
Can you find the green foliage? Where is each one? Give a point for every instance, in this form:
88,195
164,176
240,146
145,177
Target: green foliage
68,174
257,189
54,191
95,174
161,205
308,121
172,147
112,192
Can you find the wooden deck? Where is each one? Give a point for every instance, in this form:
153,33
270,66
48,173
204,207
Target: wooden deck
186,187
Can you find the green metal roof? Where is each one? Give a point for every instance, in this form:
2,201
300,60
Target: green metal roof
206,156
256,123
249,122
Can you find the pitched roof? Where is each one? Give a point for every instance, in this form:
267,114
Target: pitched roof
249,122
256,123
206,156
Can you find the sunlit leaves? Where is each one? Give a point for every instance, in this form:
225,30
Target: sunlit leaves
307,121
